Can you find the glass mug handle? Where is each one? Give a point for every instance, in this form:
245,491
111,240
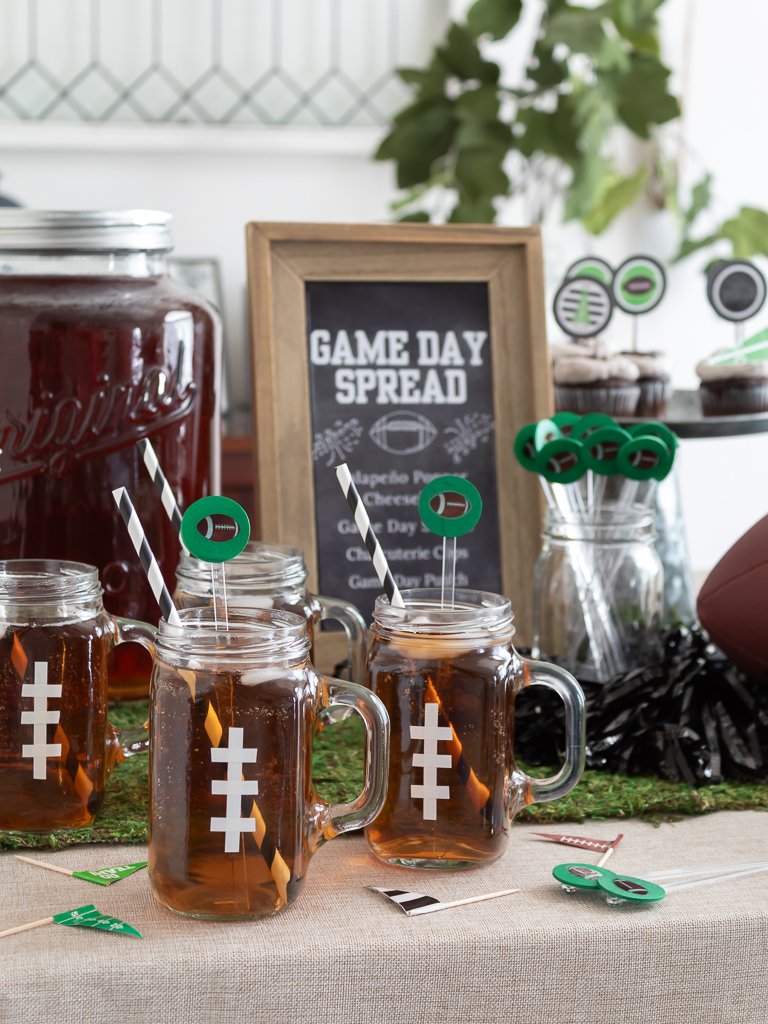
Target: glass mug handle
358,813
122,743
542,674
354,626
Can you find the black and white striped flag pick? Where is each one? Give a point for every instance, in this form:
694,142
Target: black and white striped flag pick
161,483
147,559
363,523
413,903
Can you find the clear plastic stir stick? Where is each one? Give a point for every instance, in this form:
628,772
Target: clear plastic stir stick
449,572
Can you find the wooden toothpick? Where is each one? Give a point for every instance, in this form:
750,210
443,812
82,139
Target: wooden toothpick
43,864
26,927
477,899
458,903
610,850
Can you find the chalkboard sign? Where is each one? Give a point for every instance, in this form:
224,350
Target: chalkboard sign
408,351
402,391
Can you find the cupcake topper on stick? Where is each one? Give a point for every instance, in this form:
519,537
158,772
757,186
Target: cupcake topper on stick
753,350
736,291
583,307
450,506
638,287
591,266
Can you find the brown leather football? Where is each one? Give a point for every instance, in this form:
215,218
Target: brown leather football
733,603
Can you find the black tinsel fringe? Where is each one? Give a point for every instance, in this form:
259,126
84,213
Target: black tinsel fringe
694,717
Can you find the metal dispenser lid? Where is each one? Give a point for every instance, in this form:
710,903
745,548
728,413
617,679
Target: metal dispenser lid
84,231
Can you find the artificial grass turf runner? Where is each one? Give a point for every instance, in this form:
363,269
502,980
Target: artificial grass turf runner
338,772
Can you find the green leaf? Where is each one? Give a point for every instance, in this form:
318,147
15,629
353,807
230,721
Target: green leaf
479,174
418,142
473,211
612,57
430,83
414,218
616,194
580,28
463,59
643,42
637,15
700,198
478,104
484,135
641,95
498,17
748,231
548,71
555,133
689,245
586,186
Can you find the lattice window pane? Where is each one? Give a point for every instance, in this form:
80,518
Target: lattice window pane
327,62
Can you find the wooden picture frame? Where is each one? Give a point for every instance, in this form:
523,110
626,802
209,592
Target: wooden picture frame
283,258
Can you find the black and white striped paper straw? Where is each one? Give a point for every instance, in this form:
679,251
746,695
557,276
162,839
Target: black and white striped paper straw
147,559
369,537
159,480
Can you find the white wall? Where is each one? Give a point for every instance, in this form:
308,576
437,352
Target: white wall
214,183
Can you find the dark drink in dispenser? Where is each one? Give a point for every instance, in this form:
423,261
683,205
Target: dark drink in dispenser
99,348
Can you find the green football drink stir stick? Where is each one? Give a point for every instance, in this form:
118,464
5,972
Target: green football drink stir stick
215,529
450,506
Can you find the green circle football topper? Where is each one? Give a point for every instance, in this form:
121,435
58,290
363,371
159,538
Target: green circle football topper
450,506
639,285
591,266
215,529
581,876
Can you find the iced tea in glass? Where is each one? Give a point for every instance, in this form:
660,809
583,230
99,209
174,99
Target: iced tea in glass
234,815
448,679
57,746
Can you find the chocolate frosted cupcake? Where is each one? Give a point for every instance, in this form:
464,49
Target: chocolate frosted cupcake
594,383
654,381
733,389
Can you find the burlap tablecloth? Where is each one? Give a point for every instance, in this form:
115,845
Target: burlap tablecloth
342,954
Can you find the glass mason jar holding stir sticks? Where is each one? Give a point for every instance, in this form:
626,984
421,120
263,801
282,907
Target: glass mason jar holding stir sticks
598,591
269,575
599,583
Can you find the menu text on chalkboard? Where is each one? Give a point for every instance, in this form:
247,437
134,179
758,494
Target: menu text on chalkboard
402,391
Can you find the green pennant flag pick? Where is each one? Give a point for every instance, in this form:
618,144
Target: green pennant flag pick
90,917
106,876
82,917
102,876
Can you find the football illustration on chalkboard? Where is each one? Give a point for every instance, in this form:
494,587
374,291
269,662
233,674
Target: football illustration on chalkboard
583,307
403,433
